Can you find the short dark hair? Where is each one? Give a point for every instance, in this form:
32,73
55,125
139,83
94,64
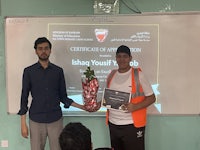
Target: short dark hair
42,40
103,148
123,49
75,136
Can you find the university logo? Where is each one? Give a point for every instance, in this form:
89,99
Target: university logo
101,34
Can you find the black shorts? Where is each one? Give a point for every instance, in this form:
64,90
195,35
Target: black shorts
127,137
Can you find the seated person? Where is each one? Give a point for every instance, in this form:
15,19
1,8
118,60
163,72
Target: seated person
75,136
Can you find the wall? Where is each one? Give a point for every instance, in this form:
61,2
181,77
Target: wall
162,133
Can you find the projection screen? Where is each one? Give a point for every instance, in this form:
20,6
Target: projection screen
164,46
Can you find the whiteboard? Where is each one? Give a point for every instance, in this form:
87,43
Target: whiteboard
165,46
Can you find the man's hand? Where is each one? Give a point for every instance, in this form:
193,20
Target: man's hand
24,131
130,107
24,127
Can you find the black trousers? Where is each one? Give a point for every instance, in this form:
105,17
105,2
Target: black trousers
127,137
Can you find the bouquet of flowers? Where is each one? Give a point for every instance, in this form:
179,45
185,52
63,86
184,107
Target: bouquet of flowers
90,87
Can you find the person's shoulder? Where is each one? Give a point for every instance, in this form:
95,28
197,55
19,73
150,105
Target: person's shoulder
35,65
113,71
56,66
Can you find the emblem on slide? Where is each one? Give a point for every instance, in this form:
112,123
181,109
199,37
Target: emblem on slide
101,34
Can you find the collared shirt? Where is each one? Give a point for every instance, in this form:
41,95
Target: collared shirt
47,88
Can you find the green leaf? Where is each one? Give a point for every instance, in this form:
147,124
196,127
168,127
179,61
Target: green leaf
89,74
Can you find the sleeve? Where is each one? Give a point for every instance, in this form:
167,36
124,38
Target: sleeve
147,88
25,93
63,92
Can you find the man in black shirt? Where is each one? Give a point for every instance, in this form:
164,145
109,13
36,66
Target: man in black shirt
46,83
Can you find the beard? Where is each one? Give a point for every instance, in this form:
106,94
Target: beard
43,57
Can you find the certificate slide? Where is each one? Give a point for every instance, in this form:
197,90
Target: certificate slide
166,58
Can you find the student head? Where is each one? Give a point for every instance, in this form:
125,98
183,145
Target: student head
103,148
75,136
123,49
123,58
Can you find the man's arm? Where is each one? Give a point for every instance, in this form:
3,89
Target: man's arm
78,105
24,127
145,103
24,103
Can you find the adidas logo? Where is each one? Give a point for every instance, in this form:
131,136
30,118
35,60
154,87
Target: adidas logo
139,134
